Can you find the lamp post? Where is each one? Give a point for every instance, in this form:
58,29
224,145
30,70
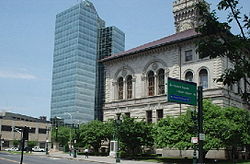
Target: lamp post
70,133
76,138
47,141
118,122
56,132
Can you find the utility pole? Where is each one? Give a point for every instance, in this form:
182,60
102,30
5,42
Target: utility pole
25,136
200,125
0,142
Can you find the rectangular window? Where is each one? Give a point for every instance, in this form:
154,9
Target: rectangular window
6,128
188,56
32,130
149,116
42,131
159,114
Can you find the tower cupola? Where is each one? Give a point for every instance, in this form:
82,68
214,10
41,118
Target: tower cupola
185,14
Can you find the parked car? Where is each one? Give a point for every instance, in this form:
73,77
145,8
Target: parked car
27,149
38,149
11,149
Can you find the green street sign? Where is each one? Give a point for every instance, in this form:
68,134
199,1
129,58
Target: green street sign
183,92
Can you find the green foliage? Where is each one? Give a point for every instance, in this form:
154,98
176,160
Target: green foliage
175,132
31,143
134,134
217,41
223,127
93,133
16,143
63,135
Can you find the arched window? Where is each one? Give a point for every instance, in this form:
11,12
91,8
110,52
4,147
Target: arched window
151,83
161,82
203,77
120,88
129,87
189,76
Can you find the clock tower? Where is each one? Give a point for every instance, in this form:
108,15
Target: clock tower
185,14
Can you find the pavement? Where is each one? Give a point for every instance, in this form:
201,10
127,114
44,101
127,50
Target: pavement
99,159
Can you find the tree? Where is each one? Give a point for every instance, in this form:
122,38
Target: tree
216,40
31,143
133,135
16,143
224,128
175,132
63,135
93,133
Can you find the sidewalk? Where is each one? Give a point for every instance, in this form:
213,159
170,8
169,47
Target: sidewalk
108,160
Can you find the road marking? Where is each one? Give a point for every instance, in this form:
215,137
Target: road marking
10,160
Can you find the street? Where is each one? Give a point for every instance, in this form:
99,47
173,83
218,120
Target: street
6,158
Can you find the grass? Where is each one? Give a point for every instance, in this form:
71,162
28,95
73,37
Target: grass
17,152
184,161
190,161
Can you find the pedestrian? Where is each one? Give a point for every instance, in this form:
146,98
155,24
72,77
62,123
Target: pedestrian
86,152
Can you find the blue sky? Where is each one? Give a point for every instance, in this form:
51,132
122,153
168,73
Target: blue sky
27,38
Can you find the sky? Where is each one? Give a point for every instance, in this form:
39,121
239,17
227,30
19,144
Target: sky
27,42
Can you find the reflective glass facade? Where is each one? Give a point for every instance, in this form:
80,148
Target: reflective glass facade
74,63
111,40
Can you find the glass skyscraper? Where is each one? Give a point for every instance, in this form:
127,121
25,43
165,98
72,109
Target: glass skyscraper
111,40
75,63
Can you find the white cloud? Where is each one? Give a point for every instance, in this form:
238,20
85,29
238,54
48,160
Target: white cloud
17,75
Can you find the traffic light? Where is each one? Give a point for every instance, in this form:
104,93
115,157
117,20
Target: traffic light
25,133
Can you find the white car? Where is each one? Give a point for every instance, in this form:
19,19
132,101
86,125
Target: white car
11,149
38,149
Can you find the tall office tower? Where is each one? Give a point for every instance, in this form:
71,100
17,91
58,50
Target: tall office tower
111,41
74,63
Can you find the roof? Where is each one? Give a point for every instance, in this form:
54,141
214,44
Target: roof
20,117
185,35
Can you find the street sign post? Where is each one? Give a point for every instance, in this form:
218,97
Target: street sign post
183,92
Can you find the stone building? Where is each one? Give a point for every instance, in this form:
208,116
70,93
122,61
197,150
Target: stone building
135,79
11,123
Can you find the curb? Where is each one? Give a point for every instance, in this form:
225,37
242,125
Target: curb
79,159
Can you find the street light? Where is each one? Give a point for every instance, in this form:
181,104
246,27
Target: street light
77,127
70,134
47,140
117,122
55,123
